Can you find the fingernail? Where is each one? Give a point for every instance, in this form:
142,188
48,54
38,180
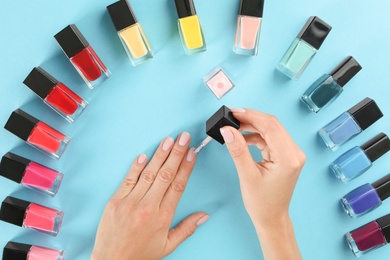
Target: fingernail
202,220
191,155
227,135
168,142
238,110
142,158
184,138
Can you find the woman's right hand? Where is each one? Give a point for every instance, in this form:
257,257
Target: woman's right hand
267,186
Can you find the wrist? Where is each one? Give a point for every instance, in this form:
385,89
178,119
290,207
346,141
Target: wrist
273,225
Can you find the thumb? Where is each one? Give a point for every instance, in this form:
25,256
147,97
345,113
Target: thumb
184,230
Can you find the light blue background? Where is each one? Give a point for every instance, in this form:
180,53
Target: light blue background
137,107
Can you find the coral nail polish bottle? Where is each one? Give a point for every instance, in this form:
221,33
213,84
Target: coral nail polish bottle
351,123
249,20
327,88
19,251
130,32
366,198
218,82
82,56
30,215
30,174
359,159
37,134
190,30
55,94
304,47
370,236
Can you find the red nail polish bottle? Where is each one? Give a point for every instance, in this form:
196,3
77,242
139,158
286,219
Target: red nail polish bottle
19,251
30,174
82,56
37,133
30,215
55,94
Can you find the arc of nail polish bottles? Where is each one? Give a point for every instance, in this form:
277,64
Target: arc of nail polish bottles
30,174
351,123
55,94
82,56
37,134
130,32
19,251
32,216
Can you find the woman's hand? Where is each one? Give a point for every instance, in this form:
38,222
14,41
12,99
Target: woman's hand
136,221
267,186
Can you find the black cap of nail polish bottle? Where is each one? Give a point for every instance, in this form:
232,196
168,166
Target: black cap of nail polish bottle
223,117
13,210
16,251
185,8
382,187
251,8
13,167
21,124
384,223
345,71
122,15
376,147
71,40
40,81
314,32
365,113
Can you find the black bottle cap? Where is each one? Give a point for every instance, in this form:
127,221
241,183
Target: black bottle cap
384,223
185,8
21,124
376,147
13,166
345,71
16,251
365,113
382,186
40,81
121,14
223,117
251,8
314,32
13,210
71,40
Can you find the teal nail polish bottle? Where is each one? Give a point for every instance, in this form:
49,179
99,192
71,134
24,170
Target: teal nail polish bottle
304,47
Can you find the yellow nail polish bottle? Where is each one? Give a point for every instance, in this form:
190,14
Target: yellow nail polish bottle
189,27
130,32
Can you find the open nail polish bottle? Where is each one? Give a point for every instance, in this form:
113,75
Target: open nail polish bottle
30,174
190,30
19,251
249,20
82,56
359,159
304,47
351,123
55,94
30,215
327,88
37,134
130,32
370,236
218,82
366,198
223,117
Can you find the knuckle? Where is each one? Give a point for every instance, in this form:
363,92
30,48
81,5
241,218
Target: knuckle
236,151
273,121
148,176
166,175
129,182
112,206
190,230
177,152
178,186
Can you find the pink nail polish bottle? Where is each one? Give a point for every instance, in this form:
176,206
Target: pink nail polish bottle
30,215
30,174
18,251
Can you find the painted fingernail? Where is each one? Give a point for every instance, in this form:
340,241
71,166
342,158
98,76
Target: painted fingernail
227,135
184,138
202,220
168,142
142,158
238,110
191,155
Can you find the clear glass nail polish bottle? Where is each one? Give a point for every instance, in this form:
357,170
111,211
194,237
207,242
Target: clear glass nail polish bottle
190,29
366,198
328,87
250,16
350,123
218,82
359,159
304,47
130,32
19,251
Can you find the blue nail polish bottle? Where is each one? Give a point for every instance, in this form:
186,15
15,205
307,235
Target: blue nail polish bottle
359,159
366,198
350,123
304,47
328,87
